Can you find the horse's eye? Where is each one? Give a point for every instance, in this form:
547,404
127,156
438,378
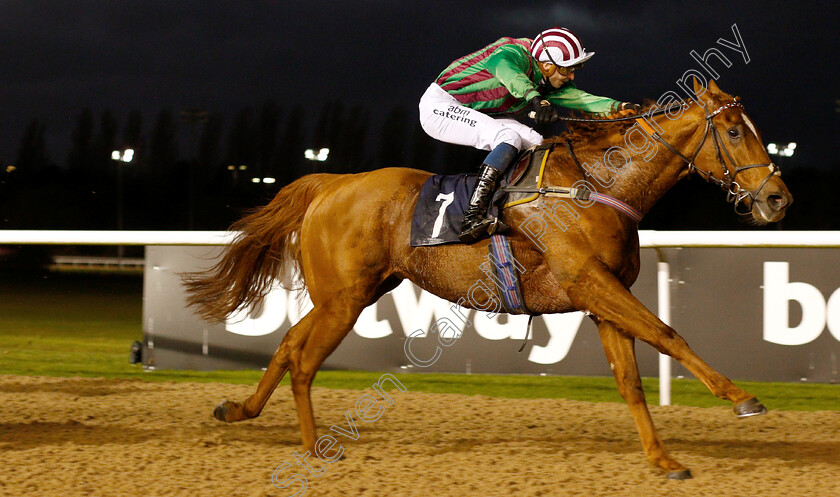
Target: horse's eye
733,133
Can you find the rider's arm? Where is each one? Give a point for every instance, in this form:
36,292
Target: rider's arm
509,64
571,97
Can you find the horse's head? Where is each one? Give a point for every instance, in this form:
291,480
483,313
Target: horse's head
733,156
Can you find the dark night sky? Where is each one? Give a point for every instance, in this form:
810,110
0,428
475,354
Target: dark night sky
60,57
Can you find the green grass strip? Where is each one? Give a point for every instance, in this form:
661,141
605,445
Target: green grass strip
73,325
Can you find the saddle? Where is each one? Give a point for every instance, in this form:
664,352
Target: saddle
439,214
443,200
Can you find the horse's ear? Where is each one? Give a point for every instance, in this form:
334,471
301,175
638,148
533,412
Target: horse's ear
713,87
698,88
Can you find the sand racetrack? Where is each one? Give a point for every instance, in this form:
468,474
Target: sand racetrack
74,436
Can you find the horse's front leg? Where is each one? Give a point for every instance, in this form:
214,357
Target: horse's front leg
621,354
598,291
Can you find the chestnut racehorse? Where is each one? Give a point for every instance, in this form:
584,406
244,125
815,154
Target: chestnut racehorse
348,236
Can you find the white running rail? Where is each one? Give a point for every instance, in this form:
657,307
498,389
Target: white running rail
647,238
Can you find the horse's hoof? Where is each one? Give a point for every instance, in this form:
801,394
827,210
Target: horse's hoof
749,407
682,474
220,412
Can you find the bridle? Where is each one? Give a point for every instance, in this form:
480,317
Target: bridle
734,192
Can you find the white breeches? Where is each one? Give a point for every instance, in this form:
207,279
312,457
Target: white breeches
445,119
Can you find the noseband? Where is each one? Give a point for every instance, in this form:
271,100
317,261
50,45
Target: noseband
734,192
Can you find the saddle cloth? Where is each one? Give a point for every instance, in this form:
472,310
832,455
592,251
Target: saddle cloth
439,213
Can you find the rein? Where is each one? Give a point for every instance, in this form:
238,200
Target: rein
656,112
734,192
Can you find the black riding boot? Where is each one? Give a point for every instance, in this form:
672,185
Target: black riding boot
476,223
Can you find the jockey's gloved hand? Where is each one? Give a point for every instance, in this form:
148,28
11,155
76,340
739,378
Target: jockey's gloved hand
636,108
544,112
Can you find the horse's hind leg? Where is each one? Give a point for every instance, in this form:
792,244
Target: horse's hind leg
303,350
335,318
621,354
230,411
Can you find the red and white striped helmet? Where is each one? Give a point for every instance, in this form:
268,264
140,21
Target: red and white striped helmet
560,47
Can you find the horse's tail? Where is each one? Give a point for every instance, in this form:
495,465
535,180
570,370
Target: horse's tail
267,249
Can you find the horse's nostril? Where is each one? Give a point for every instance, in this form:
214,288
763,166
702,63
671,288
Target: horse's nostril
776,202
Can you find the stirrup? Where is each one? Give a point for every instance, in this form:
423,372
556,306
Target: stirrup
497,227
482,228
475,232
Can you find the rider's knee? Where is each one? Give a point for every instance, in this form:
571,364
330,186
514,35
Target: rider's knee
508,136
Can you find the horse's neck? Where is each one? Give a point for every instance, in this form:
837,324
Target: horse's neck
641,183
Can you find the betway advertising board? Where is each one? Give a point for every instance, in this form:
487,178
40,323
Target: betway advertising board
756,314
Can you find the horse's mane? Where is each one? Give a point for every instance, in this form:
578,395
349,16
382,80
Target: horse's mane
594,127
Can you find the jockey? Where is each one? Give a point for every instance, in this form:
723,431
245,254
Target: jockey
469,103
